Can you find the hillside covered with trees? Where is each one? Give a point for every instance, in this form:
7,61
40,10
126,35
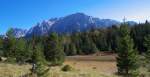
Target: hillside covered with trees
126,41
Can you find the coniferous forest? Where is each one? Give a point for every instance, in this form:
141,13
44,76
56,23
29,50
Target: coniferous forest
128,42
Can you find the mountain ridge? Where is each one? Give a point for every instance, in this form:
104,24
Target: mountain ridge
77,22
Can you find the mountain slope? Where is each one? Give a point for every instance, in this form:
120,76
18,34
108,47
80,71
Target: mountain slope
41,28
80,22
77,22
19,32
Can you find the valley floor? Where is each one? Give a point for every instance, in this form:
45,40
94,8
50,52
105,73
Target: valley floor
85,66
99,64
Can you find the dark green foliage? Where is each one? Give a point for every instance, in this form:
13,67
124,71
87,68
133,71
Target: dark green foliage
70,49
138,32
41,70
102,42
112,37
77,41
23,52
73,49
80,43
127,56
39,64
66,49
1,46
16,48
38,59
9,44
88,46
147,55
53,50
105,39
38,55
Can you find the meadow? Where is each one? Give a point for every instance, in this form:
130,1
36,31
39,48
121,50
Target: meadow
84,66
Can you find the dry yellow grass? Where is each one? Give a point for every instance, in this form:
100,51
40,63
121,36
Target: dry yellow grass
13,70
85,66
99,64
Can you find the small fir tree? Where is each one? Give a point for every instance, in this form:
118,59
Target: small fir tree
53,50
40,63
127,56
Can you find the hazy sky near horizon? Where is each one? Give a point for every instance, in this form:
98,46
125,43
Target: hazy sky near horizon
26,13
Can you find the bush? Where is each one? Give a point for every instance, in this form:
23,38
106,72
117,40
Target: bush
11,60
67,68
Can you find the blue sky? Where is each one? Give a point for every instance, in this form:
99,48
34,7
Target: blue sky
26,13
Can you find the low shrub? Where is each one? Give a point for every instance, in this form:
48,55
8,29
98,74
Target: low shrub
11,60
67,68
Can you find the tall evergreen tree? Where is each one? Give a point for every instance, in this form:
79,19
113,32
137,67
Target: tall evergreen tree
127,56
66,49
53,50
73,50
22,52
1,46
39,68
147,55
88,46
70,49
40,63
9,44
138,33
77,41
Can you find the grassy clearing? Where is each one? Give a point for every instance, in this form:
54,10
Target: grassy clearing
77,73
84,66
99,64
13,70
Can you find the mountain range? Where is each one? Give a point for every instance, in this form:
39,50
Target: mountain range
77,22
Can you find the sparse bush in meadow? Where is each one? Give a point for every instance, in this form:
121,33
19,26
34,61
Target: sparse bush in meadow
94,67
67,68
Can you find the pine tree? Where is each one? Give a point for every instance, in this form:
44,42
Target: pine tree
66,49
40,69
70,49
76,39
22,52
88,46
127,56
1,46
73,50
9,44
147,56
39,64
53,50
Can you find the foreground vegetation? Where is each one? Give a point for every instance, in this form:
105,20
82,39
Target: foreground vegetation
98,66
82,66
21,71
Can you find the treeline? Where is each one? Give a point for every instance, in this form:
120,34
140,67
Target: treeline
105,39
94,40
23,50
